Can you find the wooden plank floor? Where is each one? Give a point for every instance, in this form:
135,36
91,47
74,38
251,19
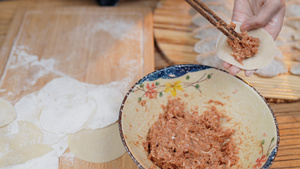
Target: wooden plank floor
287,114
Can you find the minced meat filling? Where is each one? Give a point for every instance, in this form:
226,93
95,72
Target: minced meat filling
245,48
186,140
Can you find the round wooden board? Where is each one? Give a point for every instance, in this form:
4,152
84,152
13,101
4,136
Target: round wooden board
172,28
173,34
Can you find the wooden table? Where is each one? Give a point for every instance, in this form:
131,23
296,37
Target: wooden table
287,114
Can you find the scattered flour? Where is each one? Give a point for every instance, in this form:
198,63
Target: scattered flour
60,98
118,28
31,108
47,161
68,157
38,67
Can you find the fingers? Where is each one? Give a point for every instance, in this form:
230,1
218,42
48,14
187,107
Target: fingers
249,72
226,65
240,11
267,12
275,25
233,70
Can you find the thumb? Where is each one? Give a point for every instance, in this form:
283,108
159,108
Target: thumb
252,23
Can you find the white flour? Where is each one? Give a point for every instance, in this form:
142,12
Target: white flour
38,67
108,100
47,161
68,158
118,28
31,68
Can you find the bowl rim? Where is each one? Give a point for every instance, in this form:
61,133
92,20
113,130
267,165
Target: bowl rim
272,155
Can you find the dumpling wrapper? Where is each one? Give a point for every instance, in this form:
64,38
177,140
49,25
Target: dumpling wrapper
109,100
19,133
21,141
7,112
47,161
266,50
22,154
68,114
97,146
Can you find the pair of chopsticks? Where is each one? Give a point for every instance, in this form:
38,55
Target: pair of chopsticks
214,19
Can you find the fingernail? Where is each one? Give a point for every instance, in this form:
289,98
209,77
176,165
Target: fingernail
226,65
234,70
249,73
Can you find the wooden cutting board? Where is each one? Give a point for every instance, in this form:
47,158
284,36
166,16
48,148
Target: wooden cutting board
92,44
173,33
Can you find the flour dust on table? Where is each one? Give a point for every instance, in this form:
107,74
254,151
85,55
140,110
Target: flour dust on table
46,118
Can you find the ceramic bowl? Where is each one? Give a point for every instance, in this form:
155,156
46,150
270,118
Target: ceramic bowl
256,129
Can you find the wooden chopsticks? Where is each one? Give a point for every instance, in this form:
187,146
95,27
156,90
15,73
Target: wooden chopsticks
214,19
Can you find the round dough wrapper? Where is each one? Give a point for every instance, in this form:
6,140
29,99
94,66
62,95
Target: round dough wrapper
109,101
67,114
47,161
60,87
18,134
28,108
266,50
97,146
22,154
7,112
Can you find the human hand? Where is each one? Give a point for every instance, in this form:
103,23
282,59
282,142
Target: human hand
253,14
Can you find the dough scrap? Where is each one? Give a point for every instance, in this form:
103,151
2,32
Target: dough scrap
266,50
22,154
97,146
68,113
7,112
109,100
